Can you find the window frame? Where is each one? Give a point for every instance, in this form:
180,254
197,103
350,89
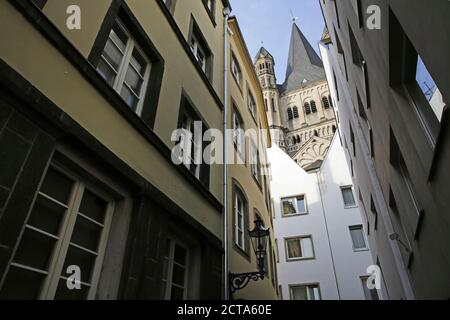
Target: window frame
120,10
211,11
57,258
245,248
366,245
306,212
236,115
196,33
307,286
235,66
355,204
171,262
299,238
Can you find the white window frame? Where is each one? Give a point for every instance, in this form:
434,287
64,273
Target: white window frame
238,134
295,198
299,238
170,265
236,69
256,167
251,104
346,206
308,287
358,227
198,50
121,73
239,217
186,154
55,271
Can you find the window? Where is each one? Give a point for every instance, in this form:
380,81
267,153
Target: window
191,143
307,108
251,104
352,139
125,67
238,133
360,63
373,208
256,166
191,153
236,70
289,113
240,220
266,105
68,225
370,294
299,248
170,4
175,274
348,197
277,251
326,103
200,49
305,292
295,109
294,206
274,107
398,162
211,8
313,106
412,73
336,85
358,240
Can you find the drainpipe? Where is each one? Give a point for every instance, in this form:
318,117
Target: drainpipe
226,13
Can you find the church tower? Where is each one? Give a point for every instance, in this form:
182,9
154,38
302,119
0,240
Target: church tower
301,118
265,69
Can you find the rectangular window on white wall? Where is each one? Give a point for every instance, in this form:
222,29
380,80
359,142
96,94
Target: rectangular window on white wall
348,197
305,292
358,240
294,206
299,248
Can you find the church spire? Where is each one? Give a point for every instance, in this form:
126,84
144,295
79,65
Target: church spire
304,65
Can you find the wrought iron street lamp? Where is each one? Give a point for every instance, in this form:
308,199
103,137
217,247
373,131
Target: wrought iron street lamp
259,237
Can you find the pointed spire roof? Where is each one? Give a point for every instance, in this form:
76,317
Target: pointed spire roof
303,63
262,53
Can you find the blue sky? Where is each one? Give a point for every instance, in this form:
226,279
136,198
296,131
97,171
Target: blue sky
270,21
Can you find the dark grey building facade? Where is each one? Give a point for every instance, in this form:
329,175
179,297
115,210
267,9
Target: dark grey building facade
391,93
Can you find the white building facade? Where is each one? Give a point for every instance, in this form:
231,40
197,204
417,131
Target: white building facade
322,249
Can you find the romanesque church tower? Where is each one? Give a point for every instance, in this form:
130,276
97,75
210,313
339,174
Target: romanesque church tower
300,113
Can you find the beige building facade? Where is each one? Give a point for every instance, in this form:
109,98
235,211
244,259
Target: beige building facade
249,177
86,123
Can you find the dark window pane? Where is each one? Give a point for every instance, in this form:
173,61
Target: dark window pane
21,284
177,293
93,206
35,250
106,72
86,234
63,293
82,259
46,215
57,186
178,275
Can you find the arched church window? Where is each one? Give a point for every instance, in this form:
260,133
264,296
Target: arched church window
313,106
334,128
326,103
265,104
298,139
289,112
307,108
316,134
295,112
330,100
